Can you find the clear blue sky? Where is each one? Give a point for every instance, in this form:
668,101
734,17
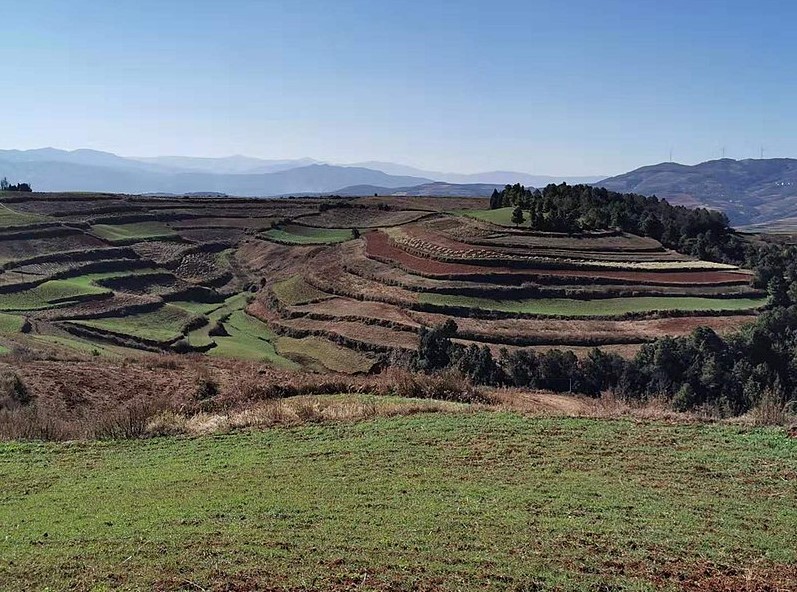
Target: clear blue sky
547,87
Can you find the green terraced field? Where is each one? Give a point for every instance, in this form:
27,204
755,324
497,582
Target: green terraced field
10,323
326,354
249,338
10,218
295,291
481,501
597,307
305,235
500,216
50,294
163,324
92,279
131,233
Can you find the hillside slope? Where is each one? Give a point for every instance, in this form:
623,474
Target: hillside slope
749,191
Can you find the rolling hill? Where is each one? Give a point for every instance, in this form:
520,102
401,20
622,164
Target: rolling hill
749,191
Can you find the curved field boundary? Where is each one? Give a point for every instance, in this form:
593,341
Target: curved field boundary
93,334
46,232
486,258
412,217
95,254
379,344
379,248
293,234
122,310
593,289
615,244
90,267
572,307
486,313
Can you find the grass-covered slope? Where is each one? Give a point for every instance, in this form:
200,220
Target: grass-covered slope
481,501
596,307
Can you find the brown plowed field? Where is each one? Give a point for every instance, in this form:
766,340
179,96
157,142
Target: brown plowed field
378,246
15,249
211,222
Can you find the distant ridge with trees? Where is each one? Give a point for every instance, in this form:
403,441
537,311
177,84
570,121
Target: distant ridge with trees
699,232
6,186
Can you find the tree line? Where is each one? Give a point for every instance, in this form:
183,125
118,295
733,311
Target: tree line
699,232
731,374
728,374
6,186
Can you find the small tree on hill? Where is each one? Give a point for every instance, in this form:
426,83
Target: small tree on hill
495,200
517,216
3,184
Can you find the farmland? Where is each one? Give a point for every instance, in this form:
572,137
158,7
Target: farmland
307,235
459,501
288,282
283,339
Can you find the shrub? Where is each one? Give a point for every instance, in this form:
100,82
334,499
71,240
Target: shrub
206,387
218,330
182,346
447,385
13,392
129,422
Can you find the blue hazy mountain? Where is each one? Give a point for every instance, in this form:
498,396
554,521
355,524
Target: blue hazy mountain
750,191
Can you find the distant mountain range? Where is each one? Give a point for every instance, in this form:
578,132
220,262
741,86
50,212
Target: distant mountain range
487,178
749,191
50,169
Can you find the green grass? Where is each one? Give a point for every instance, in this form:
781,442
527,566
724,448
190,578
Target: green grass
131,233
249,338
10,323
478,501
92,279
325,354
50,294
163,324
500,216
597,307
305,235
295,291
11,218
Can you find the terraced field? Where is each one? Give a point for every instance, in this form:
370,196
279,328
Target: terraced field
307,235
290,283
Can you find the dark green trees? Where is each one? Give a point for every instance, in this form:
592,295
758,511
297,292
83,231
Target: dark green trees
517,216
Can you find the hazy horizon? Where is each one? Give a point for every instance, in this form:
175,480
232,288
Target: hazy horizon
540,87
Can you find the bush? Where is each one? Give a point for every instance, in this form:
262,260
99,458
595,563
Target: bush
447,385
13,392
206,387
182,346
126,423
218,330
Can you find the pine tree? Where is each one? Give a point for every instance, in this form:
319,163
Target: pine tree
517,216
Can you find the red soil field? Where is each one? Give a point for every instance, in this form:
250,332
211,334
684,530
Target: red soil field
378,246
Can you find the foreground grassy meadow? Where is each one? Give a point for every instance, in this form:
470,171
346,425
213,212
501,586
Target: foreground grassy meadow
460,501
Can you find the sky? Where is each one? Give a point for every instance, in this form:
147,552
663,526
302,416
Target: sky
546,87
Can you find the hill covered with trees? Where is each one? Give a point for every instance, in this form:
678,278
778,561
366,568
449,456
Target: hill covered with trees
699,232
